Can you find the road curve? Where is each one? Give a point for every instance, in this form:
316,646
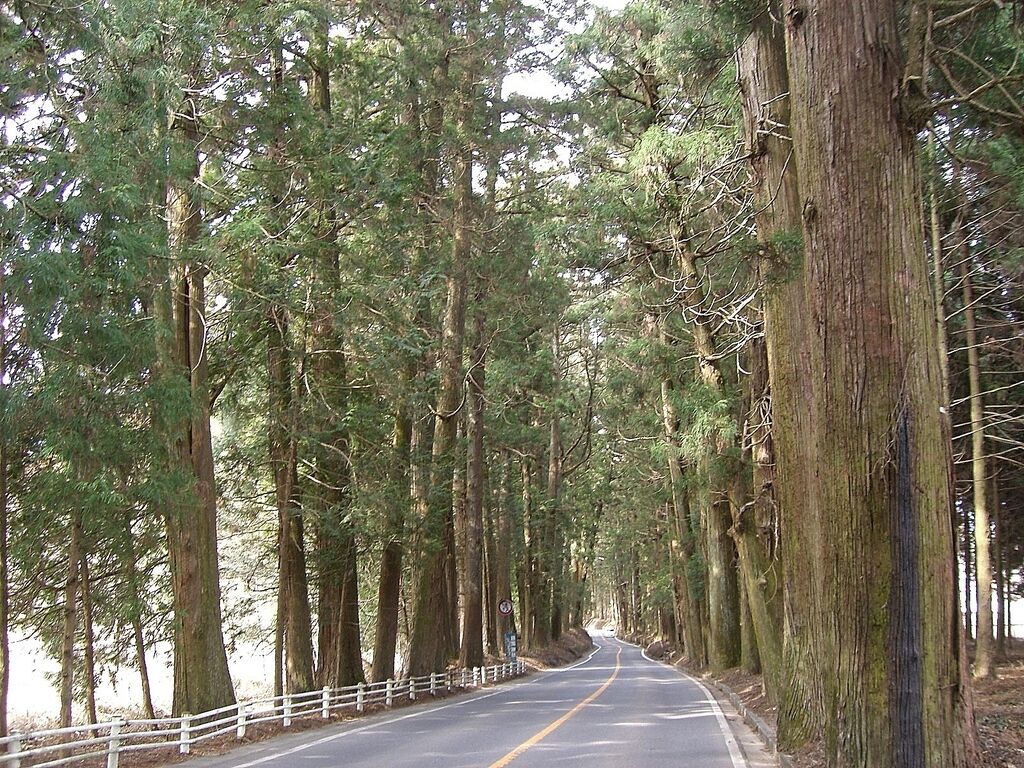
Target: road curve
615,708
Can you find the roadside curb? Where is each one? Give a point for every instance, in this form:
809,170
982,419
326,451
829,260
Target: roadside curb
756,723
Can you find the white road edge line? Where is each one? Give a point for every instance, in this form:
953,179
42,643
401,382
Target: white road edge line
399,718
730,741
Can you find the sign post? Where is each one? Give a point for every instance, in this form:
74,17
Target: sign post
505,610
510,646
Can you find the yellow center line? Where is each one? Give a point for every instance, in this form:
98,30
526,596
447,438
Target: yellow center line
541,735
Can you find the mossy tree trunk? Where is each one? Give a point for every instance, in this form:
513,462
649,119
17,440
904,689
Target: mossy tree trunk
764,85
889,673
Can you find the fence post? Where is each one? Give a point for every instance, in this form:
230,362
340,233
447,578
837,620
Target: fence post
13,748
325,703
412,689
287,719
360,697
433,683
240,729
476,672
389,692
113,744
184,746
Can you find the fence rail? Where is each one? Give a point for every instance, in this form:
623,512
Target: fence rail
65,746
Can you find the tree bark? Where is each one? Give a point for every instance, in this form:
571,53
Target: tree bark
1002,584
201,678
985,644
716,508
750,656
554,536
531,567
5,587
503,557
88,638
131,575
472,654
283,449
889,671
764,85
72,588
433,641
683,542
389,590
340,661
490,600
938,280
755,524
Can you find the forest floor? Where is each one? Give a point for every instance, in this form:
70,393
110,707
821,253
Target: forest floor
998,708
572,646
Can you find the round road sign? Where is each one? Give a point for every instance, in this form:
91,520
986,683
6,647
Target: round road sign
505,607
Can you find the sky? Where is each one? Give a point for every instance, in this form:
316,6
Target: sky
540,84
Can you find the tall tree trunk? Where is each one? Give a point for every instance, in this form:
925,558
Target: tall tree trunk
968,556
279,622
683,542
293,590
755,523
140,660
554,536
985,645
433,641
413,422
883,486
503,555
201,678
998,571
750,655
294,636
389,590
130,564
530,586
490,600
329,499
938,277
454,538
764,85
72,588
5,587
88,638
716,506
472,654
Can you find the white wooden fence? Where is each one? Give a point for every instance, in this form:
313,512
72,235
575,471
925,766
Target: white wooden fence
65,746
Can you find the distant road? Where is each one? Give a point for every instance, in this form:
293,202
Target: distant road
614,709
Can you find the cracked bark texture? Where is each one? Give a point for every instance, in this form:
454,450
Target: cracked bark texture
887,647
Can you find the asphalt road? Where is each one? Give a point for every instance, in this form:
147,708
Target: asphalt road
615,708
